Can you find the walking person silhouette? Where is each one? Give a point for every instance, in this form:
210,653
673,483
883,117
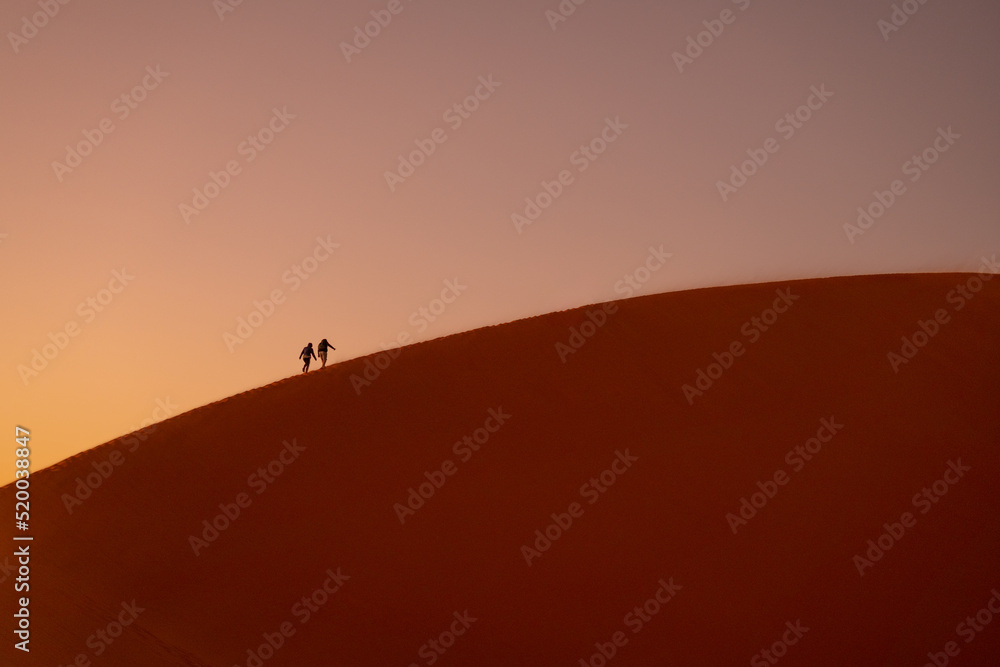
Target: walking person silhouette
305,355
321,349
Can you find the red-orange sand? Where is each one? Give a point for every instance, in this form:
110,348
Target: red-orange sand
654,534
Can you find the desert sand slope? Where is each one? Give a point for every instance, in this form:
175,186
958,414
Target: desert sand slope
660,528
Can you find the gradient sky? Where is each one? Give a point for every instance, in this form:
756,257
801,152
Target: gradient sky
161,338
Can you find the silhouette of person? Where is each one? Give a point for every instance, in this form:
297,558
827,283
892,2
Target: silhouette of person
305,355
321,349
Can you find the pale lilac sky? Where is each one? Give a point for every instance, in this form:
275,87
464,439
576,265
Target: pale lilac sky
342,125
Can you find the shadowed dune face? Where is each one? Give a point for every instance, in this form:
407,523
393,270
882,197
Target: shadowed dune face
798,472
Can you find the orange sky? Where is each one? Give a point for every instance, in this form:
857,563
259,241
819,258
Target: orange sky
288,134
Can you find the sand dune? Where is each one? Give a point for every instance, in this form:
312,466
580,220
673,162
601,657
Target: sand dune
526,495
